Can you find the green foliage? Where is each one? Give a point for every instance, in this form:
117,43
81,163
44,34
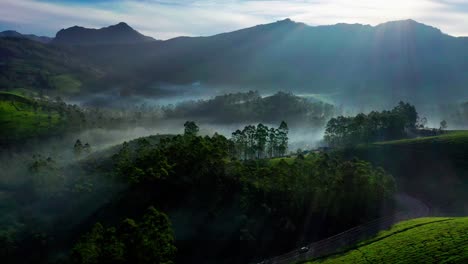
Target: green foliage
271,201
149,241
191,129
42,68
24,118
427,240
251,107
66,84
434,168
46,176
20,120
375,126
259,142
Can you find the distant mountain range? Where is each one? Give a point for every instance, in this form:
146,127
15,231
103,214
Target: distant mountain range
120,33
400,60
14,34
116,34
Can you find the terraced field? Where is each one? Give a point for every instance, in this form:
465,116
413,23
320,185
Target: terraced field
423,240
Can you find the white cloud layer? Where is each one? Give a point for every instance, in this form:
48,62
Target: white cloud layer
164,19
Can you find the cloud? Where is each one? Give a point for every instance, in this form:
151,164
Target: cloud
164,19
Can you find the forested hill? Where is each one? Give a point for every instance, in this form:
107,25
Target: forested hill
401,60
252,107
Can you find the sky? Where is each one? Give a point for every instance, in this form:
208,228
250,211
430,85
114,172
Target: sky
164,19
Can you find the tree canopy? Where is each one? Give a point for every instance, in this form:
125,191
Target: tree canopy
375,126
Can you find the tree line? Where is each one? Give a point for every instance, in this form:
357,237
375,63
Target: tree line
261,141
397,123
251,107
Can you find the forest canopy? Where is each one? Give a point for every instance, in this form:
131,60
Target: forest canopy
397,123
252,107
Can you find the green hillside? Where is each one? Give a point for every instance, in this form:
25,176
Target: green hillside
434,169
22,118
452,138
424,240
37,67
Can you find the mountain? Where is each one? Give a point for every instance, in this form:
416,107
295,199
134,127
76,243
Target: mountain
400,60
14,34
361,64
43,68
120,33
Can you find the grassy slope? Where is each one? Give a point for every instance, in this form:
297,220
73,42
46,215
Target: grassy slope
19,120
33,66
432,168
424,240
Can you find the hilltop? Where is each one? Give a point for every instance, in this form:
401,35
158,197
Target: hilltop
120,33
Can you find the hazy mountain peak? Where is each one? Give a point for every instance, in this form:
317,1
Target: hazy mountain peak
16,34
120,33
122,25
406,25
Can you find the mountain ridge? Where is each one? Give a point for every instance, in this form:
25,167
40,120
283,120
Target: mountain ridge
120,33
16,34
398,60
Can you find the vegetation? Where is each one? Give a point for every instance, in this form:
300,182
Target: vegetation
270,201
375,126
260,142
148,241
426,240
42,68
251,107
22,118
230,200
433,168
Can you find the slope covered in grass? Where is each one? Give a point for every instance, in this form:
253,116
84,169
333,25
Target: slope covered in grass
434,169
21,118
424,240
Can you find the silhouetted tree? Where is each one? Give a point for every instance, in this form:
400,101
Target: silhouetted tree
443,125
78,148
191,129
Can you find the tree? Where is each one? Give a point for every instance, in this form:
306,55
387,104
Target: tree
443,125
375,126
282,138
147,242
422,122
272,143
78,148
87,148
261,135
249,132
191,129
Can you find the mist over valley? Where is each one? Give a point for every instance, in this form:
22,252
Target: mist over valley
277,143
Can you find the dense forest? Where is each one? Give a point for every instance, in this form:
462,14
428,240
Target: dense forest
273,204
400,122
252,107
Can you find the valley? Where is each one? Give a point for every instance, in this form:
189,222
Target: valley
117,147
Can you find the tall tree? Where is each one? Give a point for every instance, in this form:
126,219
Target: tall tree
261,135
191,128
283,138
78,148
